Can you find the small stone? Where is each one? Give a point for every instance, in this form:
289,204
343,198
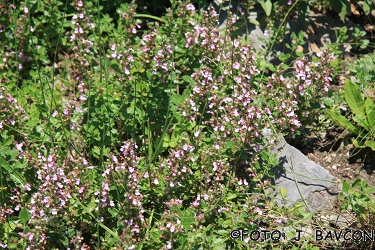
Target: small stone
328,158
334,167
347,173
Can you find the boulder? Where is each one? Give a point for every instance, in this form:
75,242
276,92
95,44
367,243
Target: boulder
303,179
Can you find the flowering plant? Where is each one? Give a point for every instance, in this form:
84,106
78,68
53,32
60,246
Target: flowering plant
138,138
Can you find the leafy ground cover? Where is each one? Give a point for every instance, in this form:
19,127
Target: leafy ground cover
120,135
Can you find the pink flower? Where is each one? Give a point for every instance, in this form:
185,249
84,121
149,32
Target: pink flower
258,210
190,7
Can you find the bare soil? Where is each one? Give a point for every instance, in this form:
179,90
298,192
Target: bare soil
334,151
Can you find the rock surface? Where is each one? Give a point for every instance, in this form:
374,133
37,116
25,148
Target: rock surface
303,179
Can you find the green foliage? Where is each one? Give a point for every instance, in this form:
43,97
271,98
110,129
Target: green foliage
362,71
363,116
358,197
114,134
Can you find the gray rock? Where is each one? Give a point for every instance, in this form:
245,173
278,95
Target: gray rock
303,179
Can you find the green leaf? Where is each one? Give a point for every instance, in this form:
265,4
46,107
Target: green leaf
358,144
353,98
341,7
13,154
300,54
370,144
356,183
267,6
283,192
283,57
301,35
174,140
370,113
290,235
14,175
343,121
64,240
188,79
255,22
370,190
24,215
96,152
345,186
343,31
187,218
328,101
113,212
367,6
361,120
231,196
267,65
166,140
8,140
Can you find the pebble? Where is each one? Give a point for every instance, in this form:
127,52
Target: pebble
328,158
